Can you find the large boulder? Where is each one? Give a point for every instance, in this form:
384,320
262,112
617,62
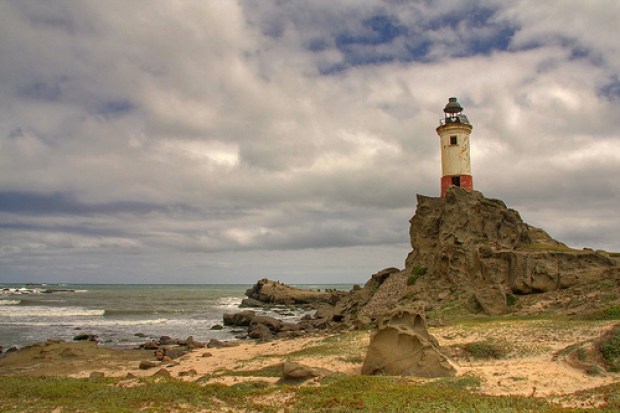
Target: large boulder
492,300
240,319
402,346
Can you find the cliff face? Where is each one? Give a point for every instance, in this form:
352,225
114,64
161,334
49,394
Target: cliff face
472,253
465,243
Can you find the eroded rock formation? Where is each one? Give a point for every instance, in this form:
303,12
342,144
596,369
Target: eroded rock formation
402,346
476,254
465,243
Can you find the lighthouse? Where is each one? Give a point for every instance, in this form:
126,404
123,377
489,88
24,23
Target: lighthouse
454,130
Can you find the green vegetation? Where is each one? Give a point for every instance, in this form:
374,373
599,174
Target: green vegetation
41,394
487,349
337,394
511,299
416,272
610,313
275,370
610,349
493,202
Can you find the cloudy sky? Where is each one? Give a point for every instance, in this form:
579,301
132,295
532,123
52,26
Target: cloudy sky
221,141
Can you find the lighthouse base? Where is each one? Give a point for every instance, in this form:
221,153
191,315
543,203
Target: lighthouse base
464,181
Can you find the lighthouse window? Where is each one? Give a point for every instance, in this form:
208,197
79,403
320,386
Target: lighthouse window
456,180
453,140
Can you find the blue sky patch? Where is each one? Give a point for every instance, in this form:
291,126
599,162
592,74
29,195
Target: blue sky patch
114,108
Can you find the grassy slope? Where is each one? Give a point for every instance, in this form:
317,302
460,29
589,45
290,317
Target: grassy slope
339,393
353,393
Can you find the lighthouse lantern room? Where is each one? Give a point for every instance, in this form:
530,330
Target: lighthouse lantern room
454,130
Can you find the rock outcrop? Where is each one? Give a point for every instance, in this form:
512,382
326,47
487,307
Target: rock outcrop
272,292
465,243
402,346
477,255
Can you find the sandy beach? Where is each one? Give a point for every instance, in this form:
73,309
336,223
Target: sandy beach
533,365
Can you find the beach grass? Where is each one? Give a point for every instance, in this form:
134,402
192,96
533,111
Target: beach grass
338,394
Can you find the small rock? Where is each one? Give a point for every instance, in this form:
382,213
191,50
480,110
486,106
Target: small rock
207,354
192,344
150,345
162,373
166,340
187,373
85,337
148,364
215,343
96,375
296,373
217,327
174,353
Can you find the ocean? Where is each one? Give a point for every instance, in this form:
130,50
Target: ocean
124,316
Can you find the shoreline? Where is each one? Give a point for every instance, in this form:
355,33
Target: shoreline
532,368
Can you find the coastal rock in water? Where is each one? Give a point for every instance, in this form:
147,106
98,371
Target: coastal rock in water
272,323
166,341
273,292
250,302
85,337
240,319
402,346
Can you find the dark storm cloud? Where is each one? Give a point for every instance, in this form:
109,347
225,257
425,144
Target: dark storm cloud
218,140
66,204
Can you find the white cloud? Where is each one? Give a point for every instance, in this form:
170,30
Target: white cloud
205,134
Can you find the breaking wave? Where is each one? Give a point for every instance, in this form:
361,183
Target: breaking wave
47,312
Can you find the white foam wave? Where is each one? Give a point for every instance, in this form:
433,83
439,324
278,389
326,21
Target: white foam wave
21,291
10,302
48,312
228,302
85,323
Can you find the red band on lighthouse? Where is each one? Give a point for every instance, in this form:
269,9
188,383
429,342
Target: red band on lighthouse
464,181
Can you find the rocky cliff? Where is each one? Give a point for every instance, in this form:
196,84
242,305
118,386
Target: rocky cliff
471,253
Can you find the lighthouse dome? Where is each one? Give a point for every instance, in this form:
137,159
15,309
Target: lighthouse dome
453,106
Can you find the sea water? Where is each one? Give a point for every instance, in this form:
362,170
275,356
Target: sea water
124,315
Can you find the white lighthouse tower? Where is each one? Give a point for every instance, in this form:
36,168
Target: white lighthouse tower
453,131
